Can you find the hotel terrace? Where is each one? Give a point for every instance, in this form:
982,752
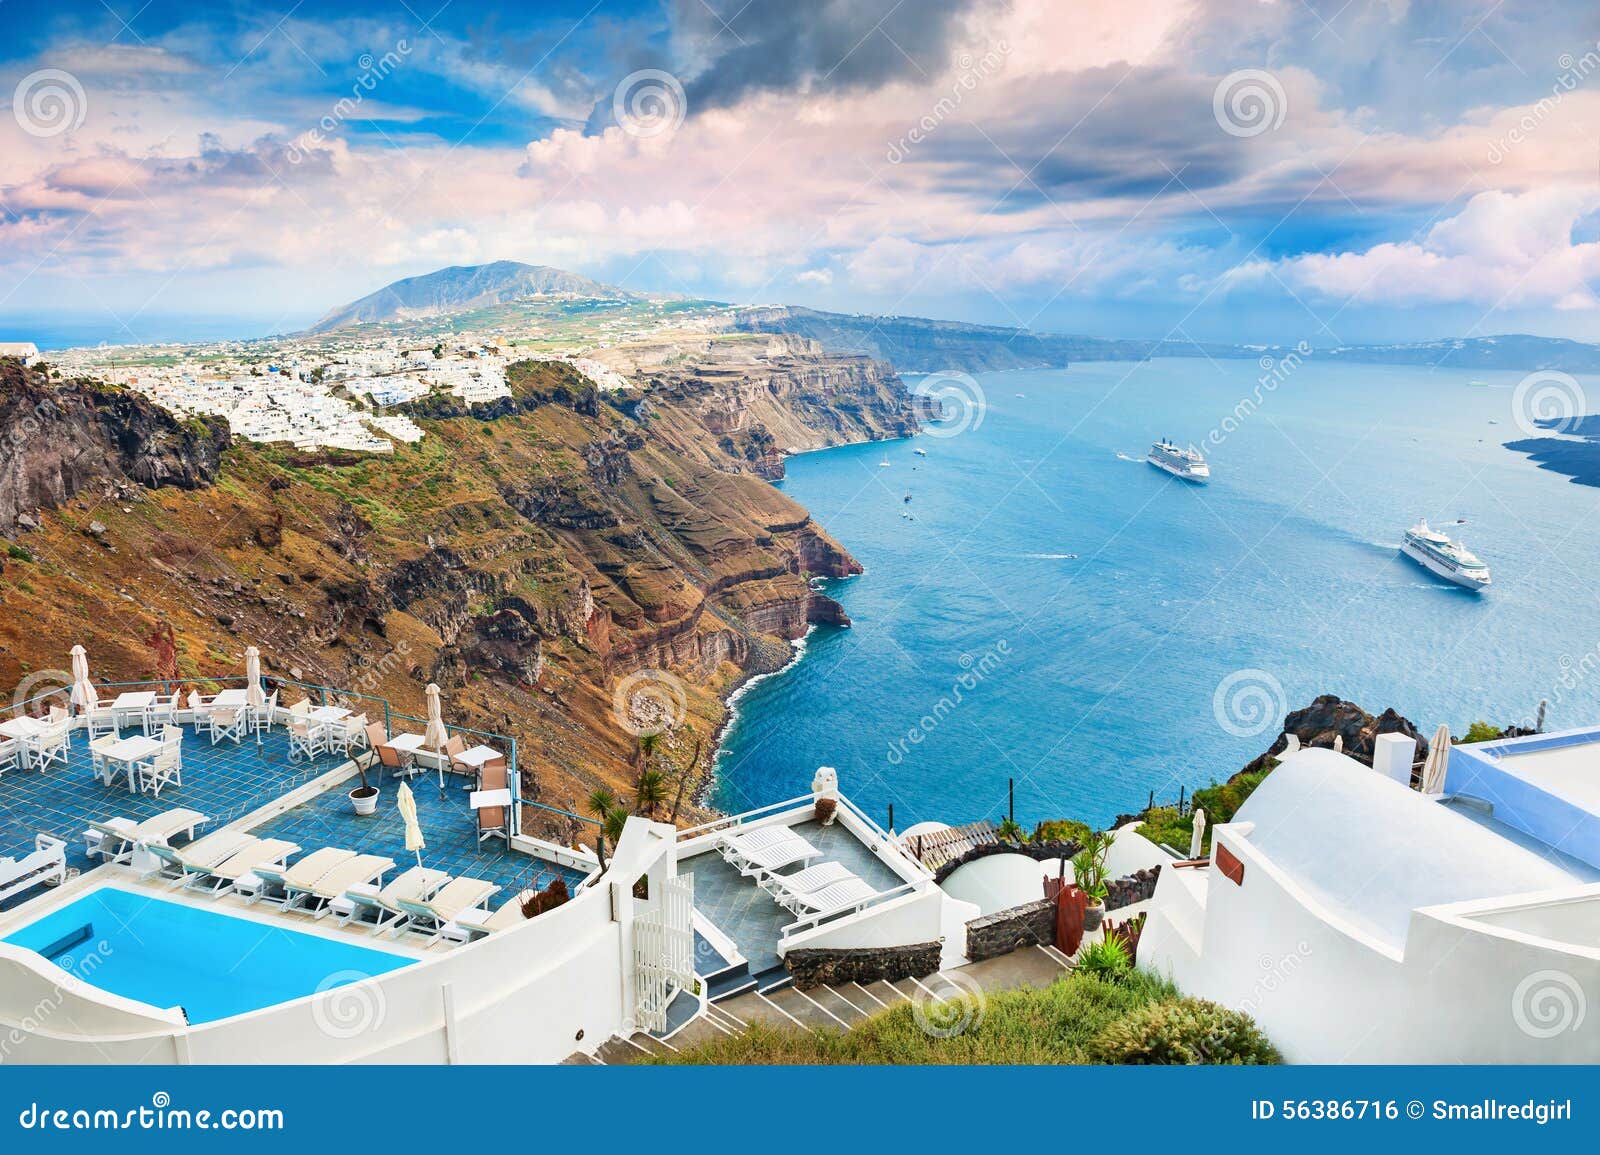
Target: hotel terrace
185,877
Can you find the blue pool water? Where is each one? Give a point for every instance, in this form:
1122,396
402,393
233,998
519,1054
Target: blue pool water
211,964
1091,679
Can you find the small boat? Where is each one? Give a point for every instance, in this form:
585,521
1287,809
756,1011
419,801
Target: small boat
920,452
884,464
907,497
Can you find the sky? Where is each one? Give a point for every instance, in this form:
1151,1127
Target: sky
1334,171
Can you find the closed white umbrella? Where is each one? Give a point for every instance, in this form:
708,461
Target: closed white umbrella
84,695
435,736
1438,759
255,695
1197,840
408,812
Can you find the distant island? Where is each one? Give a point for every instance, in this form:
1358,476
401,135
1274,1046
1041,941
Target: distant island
1576,455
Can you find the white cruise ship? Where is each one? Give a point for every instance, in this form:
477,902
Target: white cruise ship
1184,463
1451,560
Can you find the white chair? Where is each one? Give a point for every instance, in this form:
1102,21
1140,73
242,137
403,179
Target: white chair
306,738
761,852
50,745
100,720
58,714
852,892
780,886
119,836
10,754
349,735
199,711
165,769
46,866
227,723
161,712
261,716
429,916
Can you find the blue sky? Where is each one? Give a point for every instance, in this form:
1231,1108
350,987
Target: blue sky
1239,170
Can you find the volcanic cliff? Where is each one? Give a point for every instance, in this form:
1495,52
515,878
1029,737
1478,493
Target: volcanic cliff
527,555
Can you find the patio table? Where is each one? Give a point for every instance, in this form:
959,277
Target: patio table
20,728
131,706
131,751
229,700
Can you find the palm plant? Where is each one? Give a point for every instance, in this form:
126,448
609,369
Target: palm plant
1010,830
650,792
601,803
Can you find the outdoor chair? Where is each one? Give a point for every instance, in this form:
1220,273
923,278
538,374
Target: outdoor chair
10,754
261,716
349,735
161,712
46,866
782,886
276,881
226,723
102,769
494,821
851,893
397,762
99,720
165,769
454,748
306,739
430,916
370,905
199,711
119,836
50,745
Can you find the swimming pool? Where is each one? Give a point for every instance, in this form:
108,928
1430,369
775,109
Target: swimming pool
211,964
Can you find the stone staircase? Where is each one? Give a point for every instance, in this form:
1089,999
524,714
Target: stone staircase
837,1007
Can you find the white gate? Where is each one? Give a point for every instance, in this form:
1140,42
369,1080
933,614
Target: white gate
663,953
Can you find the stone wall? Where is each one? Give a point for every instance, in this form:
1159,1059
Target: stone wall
1038,851
816,966
1031,924
1132,888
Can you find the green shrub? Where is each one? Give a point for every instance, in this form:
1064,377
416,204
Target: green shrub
1182,1032
1062,830
17,553
1481,731
1165,825
1107,959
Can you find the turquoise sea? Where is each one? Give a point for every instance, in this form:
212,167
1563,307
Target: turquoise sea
1062,614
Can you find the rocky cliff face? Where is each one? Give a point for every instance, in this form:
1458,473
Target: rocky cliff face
536,558
60,438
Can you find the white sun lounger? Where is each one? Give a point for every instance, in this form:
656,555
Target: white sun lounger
314,897
830,899
476,923
430,916
416,883
198,856
755,839
805,881
220,878
781,852
119,836
276,880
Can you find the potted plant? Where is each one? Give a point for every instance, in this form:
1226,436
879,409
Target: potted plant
1089,875
364,797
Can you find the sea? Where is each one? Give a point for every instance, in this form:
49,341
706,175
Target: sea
1050,626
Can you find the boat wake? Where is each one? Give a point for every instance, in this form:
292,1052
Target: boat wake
1124,457
1050,556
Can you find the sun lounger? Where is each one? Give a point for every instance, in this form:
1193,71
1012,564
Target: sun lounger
276,880
429,916
314,897
46,866
839,896
755,839
805,881
476,923
198,856
219,879
779,853
119,836
379,908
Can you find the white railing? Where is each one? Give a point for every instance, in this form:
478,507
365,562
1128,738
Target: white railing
812,921
735,820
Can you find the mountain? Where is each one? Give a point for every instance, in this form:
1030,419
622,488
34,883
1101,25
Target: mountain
462,287
921,345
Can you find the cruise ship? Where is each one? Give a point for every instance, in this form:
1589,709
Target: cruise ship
1183,463
1451,560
